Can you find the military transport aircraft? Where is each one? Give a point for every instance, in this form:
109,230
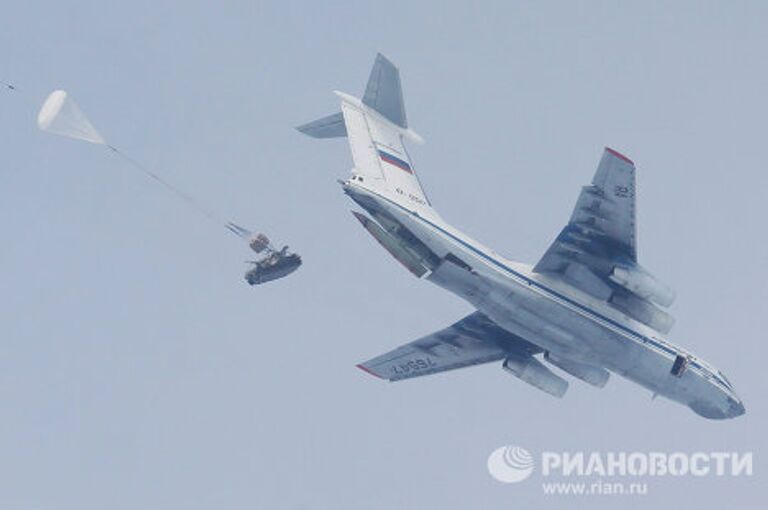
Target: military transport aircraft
587,307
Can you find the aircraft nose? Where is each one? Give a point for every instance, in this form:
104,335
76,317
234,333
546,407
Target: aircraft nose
736,408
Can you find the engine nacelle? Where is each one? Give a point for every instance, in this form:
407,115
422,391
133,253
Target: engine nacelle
532,371
641,283
596,376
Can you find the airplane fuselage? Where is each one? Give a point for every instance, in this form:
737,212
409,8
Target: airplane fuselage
563,321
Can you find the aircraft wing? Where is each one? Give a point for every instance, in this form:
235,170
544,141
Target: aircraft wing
602,224
471,341
596,252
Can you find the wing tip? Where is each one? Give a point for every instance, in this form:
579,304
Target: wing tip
362,367
619,155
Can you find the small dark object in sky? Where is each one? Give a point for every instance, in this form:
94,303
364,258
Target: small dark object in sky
277,264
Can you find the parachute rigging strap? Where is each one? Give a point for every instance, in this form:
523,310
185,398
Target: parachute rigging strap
238,230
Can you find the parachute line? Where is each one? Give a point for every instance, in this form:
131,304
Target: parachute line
60,115
189,199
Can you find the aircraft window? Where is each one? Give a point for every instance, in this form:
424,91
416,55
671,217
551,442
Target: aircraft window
679,366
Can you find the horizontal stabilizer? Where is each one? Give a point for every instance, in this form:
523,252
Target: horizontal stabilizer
331,126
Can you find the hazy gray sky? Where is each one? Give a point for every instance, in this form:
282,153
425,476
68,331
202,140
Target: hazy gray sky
138,370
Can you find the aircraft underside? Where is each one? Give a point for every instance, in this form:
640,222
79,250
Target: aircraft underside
567,340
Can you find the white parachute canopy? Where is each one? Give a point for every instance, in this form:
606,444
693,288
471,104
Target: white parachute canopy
60,115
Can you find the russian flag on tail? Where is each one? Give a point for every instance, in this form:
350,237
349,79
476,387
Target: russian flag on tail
395,161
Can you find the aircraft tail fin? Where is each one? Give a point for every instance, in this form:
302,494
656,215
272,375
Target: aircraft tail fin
383,94
376,128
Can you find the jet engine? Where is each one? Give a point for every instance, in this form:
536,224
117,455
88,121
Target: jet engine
643,284
596,376
532,371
